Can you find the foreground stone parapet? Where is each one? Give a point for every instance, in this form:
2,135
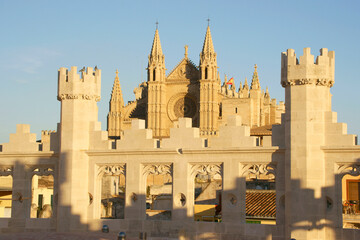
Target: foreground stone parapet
22,140
233,134
185,136
99,139
137,137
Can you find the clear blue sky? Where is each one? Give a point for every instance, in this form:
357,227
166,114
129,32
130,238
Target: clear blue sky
39,37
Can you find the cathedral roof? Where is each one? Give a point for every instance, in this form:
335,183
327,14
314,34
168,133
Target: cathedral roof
185,69
261,131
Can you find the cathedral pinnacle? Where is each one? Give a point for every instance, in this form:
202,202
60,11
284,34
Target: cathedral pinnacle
116,94
240,87
246,84
255,84
186,50
267,95
156,47
208,43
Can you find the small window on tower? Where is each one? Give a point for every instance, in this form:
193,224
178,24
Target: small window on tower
154,75
236,110
206,73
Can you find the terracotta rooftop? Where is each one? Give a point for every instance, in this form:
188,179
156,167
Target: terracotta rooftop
261,203
261,131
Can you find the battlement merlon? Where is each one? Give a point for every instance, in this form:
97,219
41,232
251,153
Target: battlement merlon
85,86
307,71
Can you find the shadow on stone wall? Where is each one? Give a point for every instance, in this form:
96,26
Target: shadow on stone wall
302,210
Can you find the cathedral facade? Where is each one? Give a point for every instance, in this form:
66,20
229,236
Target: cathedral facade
194,92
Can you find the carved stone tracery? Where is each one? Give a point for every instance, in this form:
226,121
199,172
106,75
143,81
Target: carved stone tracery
182,105
117,169
349,168
207,169
308,81
43,171
258,169
79,96
157,169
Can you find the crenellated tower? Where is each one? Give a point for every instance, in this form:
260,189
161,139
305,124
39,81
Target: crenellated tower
209,87
115,116
308,114
156,106
78,94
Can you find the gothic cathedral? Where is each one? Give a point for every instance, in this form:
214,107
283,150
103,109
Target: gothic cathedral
194,92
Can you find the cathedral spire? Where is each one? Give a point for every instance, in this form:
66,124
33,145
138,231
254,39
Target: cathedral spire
156,50
156,65
208,63
208,47
116,94
255,84
115,116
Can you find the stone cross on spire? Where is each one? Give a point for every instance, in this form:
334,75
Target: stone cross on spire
186,50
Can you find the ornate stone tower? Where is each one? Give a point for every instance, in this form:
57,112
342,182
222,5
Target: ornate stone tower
255,98
209,88
79,96
156,107
308,107
115,116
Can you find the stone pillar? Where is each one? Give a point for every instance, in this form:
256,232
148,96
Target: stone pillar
233,191
135,192
21,195
181,198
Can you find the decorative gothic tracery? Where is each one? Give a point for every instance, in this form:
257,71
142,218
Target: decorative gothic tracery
112,169
157,169
43,171
207,169
349,168
258,169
